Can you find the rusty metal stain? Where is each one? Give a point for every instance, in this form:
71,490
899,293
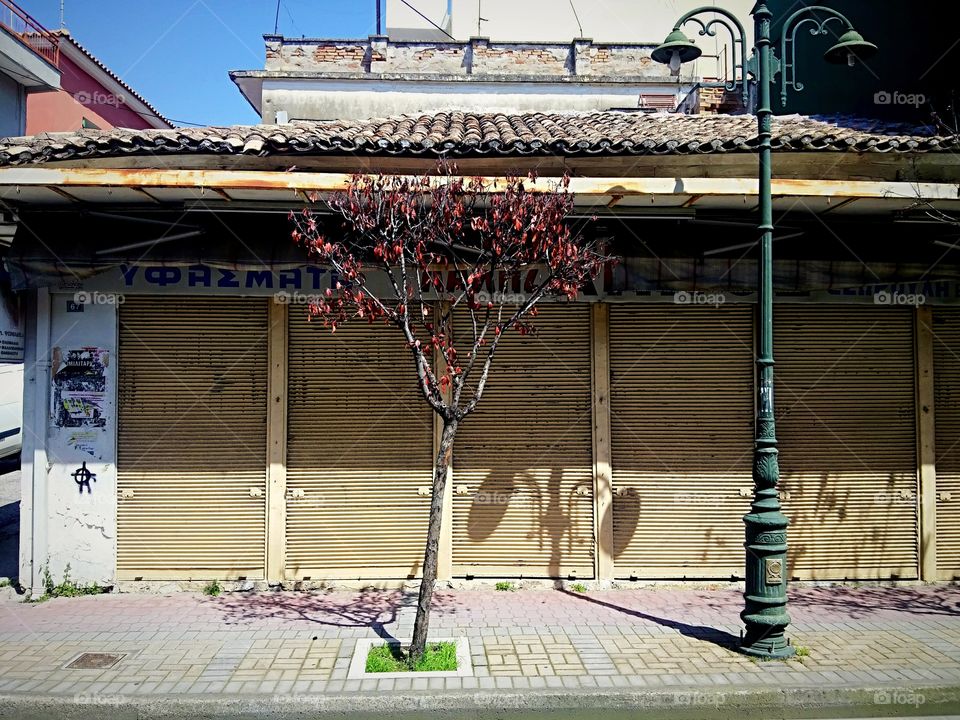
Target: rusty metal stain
321,181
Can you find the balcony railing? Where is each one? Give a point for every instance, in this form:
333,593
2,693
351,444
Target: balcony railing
31,33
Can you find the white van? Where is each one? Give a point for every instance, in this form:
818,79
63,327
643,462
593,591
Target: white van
11,408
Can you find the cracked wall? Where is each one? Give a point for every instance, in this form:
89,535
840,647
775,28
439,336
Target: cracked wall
81,434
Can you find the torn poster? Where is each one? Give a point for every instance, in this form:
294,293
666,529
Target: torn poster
79,388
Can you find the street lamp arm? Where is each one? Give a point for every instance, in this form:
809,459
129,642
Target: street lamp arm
738,35
812,15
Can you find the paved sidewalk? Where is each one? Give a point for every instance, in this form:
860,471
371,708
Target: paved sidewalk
895,647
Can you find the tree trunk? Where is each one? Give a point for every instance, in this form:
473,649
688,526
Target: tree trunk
422,622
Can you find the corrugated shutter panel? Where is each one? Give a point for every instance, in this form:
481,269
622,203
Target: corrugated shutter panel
526,456
360,445
192,438
846,424
946,363
681,403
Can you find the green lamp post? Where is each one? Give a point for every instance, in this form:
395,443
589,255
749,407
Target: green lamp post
765,597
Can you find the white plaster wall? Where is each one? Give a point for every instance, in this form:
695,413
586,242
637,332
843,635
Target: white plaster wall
303,100
82,527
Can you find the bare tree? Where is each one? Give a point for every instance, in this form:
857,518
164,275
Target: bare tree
413,252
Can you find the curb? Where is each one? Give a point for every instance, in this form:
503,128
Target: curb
616,703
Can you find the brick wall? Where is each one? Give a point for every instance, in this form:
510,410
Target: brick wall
476,57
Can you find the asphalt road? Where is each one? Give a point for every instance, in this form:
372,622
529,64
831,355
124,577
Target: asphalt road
9,516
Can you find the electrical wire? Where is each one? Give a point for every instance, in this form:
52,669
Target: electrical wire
576,17
428,19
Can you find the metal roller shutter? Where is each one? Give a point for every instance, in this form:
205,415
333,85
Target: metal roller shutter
946,363
525,457
846,424
359,449
192,438
681,403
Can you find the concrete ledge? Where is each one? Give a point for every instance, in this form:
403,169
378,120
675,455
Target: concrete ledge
616,703
358,662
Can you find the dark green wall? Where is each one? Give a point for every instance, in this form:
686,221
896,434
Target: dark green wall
919,54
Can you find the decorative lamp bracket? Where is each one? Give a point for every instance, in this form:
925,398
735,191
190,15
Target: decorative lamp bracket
753,67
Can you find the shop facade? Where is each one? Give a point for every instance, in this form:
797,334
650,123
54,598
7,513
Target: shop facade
233,439
184,421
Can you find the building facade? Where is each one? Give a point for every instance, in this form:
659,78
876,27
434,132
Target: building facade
90,96
517,59
29,63
187,423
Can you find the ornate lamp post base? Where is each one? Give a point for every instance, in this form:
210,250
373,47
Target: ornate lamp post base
768,649
765,598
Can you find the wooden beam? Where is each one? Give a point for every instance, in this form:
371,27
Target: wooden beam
581,186
926,444
602,475
276,442
933,166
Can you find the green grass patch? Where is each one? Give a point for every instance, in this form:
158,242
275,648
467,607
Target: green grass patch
67,587
4,582
505,586
212,588
388,658
578,587
802,651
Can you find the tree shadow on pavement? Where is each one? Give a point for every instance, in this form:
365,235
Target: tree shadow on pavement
367,608
697,632
860,602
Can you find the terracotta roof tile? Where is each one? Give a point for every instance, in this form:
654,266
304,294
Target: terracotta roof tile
460,134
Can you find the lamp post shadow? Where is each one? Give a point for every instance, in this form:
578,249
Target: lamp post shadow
703,633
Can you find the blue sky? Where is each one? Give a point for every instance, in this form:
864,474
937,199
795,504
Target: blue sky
177,53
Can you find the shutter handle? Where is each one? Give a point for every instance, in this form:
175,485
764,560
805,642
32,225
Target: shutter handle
126,493
622,491
945,496
582,491
296,492
256,492
424,491
746,492
461,490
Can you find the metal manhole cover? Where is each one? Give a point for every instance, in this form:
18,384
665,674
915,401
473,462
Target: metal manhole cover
95,661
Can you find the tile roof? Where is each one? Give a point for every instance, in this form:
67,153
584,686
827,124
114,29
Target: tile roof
463,134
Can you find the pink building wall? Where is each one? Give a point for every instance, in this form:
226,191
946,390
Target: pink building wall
80,96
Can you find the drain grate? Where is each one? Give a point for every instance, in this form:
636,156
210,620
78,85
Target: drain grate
95,661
